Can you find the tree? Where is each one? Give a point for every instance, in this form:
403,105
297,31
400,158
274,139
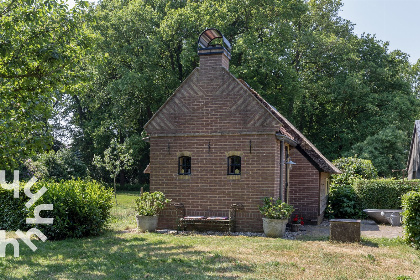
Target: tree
116,158
64,164
40,44
387,149
336,87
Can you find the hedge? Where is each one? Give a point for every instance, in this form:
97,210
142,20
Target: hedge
13,211
80,208
383,193
411,218
342,199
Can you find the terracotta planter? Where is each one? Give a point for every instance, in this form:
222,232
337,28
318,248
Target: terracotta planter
146,223
274,227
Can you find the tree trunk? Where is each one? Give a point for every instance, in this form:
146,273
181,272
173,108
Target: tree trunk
115,189
122,178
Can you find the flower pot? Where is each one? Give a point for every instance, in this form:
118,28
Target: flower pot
295,227
274,227
146,223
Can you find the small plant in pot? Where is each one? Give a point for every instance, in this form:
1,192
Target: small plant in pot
296,223
148,206
277,214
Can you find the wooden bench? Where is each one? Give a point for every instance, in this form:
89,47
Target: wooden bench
203,222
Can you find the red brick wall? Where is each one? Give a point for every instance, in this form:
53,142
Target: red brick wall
212,101
209,61
209,191
304,187
212,106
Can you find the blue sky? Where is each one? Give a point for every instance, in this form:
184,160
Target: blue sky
395,21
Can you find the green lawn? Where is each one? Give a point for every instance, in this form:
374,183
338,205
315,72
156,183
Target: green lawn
123,214
122,255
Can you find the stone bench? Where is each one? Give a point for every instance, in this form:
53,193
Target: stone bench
205,223
345,230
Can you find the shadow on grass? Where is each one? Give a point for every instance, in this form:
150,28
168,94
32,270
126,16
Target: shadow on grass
114,256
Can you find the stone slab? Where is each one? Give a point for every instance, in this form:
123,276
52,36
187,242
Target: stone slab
345,230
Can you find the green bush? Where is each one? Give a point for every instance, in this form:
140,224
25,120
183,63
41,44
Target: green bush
343,203
81,208
342,199
353,169
13,211
383,193
411,218
276,209
150,204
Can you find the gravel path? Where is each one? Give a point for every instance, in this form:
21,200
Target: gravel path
368,228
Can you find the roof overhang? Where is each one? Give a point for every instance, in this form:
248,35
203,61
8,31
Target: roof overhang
286,139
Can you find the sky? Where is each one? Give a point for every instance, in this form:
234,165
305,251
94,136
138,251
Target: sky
394,21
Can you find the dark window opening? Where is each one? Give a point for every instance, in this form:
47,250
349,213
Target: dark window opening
234,165
184,165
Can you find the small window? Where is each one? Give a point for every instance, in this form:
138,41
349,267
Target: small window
234,165
184,165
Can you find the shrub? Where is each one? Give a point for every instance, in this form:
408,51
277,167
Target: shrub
342,199
150,204
81,208
276,209
13,211
411,218
353,169
343,203
383,193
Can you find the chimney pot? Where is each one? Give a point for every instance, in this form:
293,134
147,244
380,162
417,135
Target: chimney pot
213,55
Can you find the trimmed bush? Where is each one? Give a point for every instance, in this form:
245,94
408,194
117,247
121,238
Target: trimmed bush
81,208
343,203
411,218
342,199
383,193
13,211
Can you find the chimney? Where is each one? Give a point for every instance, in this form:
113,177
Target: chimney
213,49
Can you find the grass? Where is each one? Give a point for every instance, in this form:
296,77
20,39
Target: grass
123,214
128,255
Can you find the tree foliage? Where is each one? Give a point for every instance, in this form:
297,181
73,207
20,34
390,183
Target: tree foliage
65,164
338,88
40,44
117,157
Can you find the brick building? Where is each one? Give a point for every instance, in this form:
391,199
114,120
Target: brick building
216,142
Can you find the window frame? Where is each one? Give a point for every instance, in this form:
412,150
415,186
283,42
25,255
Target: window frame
184,165
234,164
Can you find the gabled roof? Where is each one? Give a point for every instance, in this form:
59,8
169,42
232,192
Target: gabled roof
303,144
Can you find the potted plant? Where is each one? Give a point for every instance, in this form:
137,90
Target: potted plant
148,206
296,223
277,214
